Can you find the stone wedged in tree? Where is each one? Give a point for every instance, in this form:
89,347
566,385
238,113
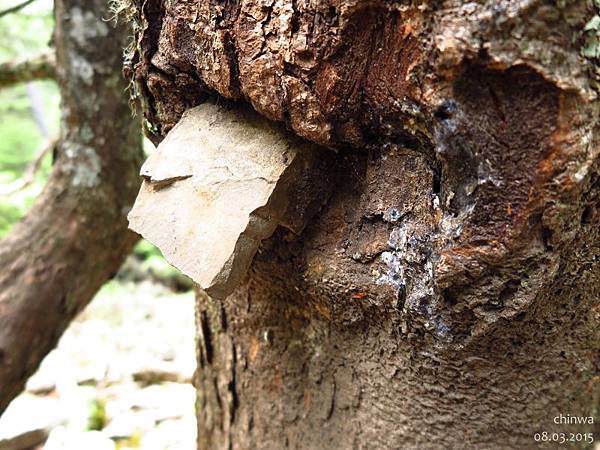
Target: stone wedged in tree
495,95
446,296
215,188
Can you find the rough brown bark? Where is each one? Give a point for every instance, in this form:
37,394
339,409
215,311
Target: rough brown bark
447,294
75,236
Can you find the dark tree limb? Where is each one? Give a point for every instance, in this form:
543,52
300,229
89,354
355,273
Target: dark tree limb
75,237
40,67
15,8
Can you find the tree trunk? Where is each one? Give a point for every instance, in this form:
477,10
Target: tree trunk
75,237
446,296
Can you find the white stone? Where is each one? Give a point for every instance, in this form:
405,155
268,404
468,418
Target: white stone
215,187
61,439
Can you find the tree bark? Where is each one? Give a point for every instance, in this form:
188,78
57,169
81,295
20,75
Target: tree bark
42,67
75,236
447,294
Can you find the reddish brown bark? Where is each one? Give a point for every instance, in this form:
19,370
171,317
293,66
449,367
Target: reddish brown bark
447,294
75,236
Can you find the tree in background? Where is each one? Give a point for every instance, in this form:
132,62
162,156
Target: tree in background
75,236
446,293
28,108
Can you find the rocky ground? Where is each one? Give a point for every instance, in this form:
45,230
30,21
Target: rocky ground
120,376
119,379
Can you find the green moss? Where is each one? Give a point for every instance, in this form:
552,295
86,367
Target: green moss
97,419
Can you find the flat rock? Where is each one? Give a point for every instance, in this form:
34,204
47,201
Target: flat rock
25,441
217,185
27,419
61,439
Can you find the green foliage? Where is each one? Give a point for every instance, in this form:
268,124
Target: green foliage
157,268
9,214
98,419
144,250
24,34
148,263
20,141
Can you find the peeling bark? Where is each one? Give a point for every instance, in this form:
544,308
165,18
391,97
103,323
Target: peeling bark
75,236
447,294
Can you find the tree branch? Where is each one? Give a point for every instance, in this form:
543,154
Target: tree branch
14,9
33,168
75,237
40,67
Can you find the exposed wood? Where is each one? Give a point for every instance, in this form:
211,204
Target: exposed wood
75,236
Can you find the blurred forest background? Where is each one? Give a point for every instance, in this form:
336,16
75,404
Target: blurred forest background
29,113
120,377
